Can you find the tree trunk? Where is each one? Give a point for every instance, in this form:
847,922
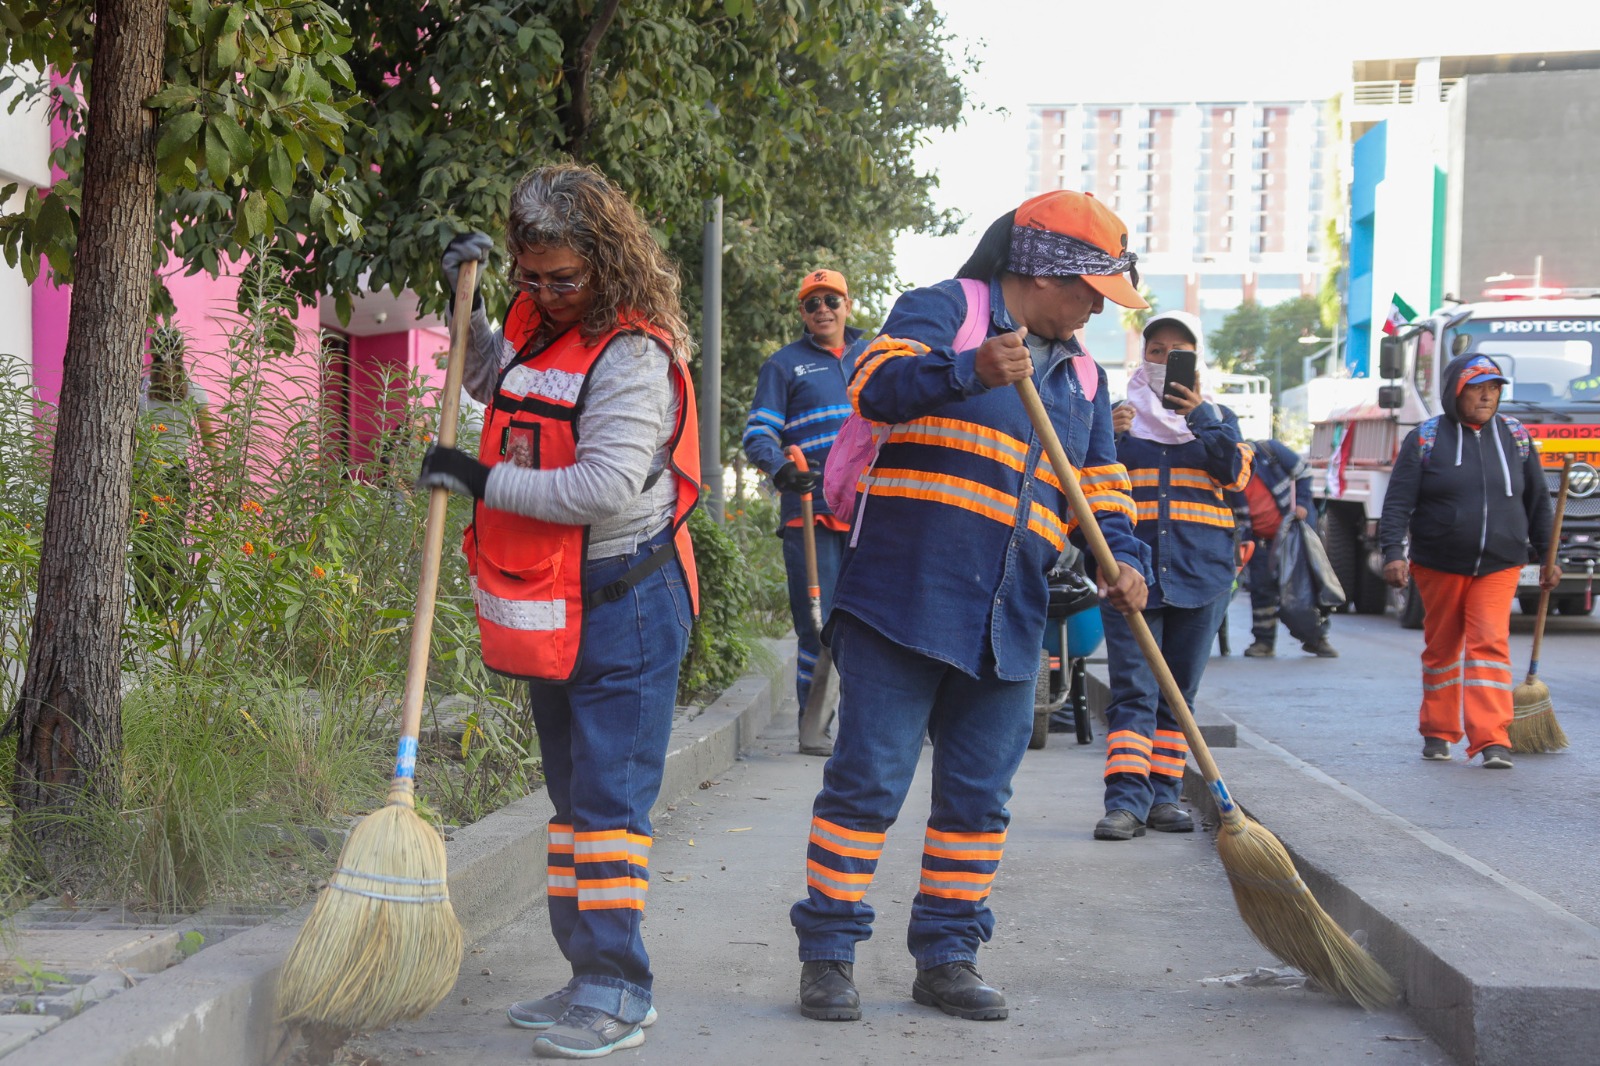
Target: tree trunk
69,715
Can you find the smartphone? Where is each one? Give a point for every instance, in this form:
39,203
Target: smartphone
1180,371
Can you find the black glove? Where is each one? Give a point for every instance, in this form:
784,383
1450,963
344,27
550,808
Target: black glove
449,468
790,478
462,248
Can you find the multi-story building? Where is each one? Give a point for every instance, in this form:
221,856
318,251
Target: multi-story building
1225,201
1466,173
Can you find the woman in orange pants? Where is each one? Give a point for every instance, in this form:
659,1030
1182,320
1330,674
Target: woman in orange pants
1468,488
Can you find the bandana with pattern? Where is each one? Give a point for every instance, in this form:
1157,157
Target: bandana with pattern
1042,253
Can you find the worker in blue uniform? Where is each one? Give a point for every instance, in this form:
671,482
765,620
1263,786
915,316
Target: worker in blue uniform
940,608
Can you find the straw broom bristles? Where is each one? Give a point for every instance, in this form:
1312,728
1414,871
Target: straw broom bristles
382,943
1286,919
1533,725
1275,903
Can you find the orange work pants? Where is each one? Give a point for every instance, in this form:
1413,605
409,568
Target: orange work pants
1466,663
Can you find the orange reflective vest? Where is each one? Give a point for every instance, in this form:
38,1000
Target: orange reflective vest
527,574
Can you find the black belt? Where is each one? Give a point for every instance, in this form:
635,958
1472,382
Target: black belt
615,590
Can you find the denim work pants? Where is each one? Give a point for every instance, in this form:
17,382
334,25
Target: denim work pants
603,737
830,549
1145,748
890,698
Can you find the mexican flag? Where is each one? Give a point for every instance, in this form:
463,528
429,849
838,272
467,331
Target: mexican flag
1400,313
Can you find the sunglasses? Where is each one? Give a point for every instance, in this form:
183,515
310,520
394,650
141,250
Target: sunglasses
554,288
814,303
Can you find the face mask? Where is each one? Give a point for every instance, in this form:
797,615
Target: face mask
1157,375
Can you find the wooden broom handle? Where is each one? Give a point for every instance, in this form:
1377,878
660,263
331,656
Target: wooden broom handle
808,537
1550,557
1108,565
438,499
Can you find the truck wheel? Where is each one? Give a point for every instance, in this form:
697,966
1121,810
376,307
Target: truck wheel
1041,705
1408,606
1529,604
1575,605
1365,592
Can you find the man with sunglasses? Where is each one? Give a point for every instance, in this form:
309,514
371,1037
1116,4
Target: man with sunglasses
801,399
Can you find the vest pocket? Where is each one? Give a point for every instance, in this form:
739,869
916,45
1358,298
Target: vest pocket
519,444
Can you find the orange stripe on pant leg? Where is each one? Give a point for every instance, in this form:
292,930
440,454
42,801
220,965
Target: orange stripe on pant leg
836,884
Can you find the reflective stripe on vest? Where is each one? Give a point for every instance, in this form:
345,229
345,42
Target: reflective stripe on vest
528,575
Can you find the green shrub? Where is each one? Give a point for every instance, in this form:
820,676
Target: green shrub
718,647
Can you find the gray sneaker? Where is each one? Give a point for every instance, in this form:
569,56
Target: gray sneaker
1496,757
1436,749
540,1014
1259,650
586,1033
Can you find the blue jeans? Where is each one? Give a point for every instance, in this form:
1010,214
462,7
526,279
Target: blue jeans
830,550
1262,578
603,737
1145,748
890,698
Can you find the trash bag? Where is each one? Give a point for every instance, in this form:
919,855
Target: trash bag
1305,580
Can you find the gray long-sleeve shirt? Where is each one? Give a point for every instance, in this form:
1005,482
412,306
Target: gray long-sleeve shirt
623,432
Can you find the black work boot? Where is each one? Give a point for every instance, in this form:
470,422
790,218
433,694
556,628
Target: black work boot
1169,818
828,991
957,988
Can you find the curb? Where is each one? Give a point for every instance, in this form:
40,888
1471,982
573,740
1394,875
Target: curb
1498,975
218,1007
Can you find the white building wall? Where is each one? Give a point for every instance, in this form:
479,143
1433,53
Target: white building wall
25,160
1403,236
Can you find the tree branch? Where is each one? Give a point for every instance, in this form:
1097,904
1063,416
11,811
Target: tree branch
578,111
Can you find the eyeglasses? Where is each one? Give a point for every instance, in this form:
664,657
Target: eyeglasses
554,288
833,300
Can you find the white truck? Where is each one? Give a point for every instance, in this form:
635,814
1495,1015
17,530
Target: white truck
1550,349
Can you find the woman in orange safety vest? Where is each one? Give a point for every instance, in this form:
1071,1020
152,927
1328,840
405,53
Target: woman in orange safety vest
580,561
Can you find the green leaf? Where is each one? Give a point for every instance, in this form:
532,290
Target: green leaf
280,169
238,144
216,152
178,134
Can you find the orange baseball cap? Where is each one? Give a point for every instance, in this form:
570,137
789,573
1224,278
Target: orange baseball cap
1081,216
823,279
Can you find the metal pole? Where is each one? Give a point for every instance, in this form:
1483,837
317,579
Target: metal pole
711,360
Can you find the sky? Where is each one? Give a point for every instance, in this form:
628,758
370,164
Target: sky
1061,51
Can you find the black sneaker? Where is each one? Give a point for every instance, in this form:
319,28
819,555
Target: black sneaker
1436,749
1118,825
828,991
541,1014
587,1033
1322,649
1496,757
957,988
1169,818
1259,650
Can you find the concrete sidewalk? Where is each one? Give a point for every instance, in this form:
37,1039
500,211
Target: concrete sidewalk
1108,952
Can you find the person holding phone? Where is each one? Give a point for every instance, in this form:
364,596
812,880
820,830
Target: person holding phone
1183,453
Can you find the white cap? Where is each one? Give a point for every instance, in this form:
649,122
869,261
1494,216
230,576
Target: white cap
1190,324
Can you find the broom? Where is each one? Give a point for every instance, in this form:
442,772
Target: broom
1533,720
382,944
1274,902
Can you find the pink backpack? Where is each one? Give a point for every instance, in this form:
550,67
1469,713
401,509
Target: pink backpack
856,447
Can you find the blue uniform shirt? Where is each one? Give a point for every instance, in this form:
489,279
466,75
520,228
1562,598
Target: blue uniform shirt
800,399
963,516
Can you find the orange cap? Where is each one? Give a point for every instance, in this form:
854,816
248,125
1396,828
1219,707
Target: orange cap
823,279
1080,215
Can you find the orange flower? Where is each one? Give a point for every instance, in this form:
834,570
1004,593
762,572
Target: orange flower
161,427
144,518
251,507
317,571
248,548
272,555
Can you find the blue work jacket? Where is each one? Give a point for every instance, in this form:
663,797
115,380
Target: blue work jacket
1180,492
963,517
800,399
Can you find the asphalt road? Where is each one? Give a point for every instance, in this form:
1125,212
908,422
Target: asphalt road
1355,719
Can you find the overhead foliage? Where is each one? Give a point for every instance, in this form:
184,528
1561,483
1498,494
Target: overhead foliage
253,111
1266,340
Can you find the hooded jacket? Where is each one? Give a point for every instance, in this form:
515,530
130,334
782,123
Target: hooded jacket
1473,500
